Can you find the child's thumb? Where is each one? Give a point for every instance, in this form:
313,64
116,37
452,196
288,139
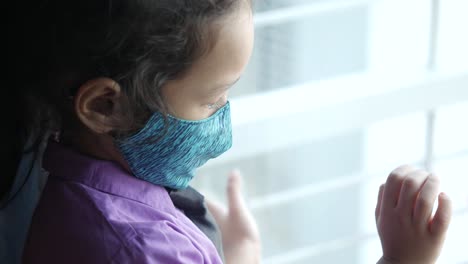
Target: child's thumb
234,192
441,220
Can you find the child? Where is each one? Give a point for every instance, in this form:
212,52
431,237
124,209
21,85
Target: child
134,94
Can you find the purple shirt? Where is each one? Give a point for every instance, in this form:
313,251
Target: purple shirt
92,211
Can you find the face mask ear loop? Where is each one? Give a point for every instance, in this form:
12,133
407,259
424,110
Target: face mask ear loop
214,106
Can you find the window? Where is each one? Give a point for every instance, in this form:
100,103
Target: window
337,94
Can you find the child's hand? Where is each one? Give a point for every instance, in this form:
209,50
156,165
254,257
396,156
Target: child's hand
241,239
408,232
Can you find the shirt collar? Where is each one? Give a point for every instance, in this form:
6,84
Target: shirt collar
105,176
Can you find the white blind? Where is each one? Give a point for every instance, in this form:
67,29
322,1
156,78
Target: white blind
337,94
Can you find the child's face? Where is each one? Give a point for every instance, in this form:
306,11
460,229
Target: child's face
209,79
189,97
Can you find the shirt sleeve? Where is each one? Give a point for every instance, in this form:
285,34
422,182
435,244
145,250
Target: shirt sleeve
162,242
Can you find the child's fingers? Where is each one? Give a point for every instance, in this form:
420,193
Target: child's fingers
393,186
442,217
425,201
379,202
235,198
409,191
216,209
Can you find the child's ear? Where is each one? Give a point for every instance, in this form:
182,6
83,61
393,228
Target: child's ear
96,104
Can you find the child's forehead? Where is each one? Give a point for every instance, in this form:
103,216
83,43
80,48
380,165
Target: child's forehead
225,62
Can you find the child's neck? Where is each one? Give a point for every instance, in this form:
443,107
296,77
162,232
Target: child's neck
98,146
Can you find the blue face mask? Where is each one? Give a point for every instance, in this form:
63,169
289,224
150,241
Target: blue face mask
171,161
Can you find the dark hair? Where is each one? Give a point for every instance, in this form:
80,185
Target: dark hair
141,44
